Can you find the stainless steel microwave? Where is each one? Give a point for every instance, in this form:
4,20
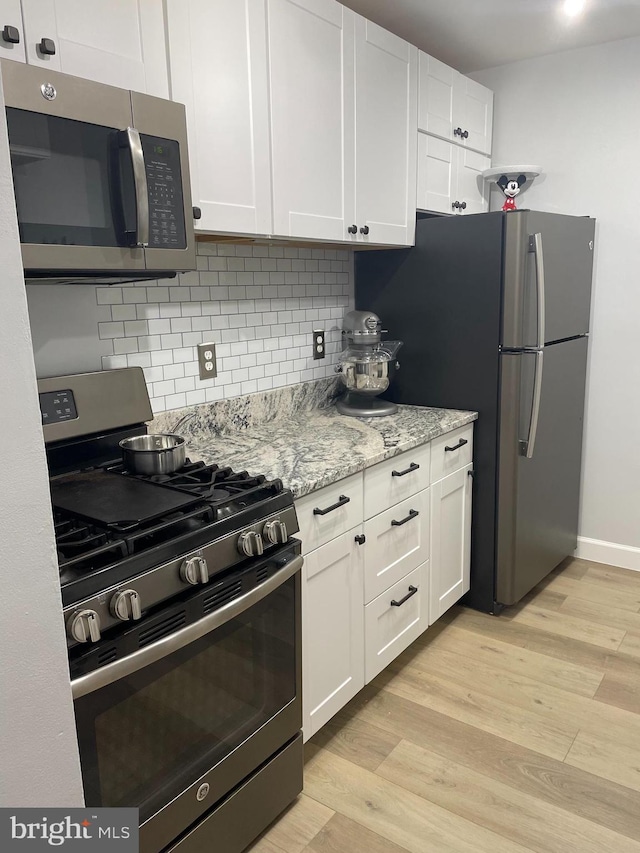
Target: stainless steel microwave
101,178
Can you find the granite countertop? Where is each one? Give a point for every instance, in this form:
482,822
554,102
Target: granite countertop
320,446
296,434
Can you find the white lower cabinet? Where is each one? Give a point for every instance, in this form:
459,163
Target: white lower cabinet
332,629
392,621
450,541
397,541
378,571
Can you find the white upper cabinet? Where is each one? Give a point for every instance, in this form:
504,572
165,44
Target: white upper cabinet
453,106
121,44
435,96
11,31
471,190
218,69
437,174
473,114
386,136
450,177
311,88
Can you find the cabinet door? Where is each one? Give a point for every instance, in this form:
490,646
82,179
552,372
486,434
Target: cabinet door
435,96
333,629
450,541
311,91
39,17
437,174
471,189
11,16
473,112
218,70
386,135
121,44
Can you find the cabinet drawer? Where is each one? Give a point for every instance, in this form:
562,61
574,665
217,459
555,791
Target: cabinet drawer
389,628
329,512
397,541
451,451
395,479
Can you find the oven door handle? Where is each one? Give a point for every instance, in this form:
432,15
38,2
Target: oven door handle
167,645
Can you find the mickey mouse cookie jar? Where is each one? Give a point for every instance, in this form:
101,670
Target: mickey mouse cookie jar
510,188
511,181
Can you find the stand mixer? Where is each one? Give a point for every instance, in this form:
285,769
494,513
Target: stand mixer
366,366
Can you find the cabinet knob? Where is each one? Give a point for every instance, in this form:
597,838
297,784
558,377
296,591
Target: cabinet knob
352,229
364,230
463,205
197,212
465,134
457,131
360,539
47,47
455,205
11,34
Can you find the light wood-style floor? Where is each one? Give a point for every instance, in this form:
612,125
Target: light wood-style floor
517,733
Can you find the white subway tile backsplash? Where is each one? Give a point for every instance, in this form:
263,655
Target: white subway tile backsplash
110,330
258,304
123,312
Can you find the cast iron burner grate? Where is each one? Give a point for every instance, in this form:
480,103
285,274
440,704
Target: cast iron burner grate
87,548
225,490
84,547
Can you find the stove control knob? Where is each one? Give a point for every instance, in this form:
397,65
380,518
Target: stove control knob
84,625
125,605
194,570
250,544
275,532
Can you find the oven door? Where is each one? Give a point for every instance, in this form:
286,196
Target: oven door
174,726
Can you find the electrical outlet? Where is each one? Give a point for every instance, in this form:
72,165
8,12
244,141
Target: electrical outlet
318,343
207,361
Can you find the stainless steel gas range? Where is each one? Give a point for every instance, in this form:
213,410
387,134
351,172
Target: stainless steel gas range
181,597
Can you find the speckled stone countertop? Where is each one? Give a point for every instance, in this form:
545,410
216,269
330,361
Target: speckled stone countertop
296,434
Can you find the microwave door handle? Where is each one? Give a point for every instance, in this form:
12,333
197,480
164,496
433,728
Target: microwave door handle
140,187
86,684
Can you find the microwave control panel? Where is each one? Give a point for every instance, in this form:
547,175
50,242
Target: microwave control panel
164,185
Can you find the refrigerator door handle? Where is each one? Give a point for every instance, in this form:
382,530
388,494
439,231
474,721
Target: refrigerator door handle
535,245
527,447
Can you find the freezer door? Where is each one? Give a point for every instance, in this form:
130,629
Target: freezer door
537,519
547,278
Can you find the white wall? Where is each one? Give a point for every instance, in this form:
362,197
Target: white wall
577,114
40,765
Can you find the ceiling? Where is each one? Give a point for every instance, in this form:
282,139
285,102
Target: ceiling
475,34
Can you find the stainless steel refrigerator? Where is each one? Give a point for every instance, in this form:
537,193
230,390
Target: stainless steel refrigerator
494,310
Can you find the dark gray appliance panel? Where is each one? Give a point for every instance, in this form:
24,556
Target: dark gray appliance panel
568,263
442,299
539,497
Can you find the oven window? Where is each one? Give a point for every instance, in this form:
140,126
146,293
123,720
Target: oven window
64,175
150,735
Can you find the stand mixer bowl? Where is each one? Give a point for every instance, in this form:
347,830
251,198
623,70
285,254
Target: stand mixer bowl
368,371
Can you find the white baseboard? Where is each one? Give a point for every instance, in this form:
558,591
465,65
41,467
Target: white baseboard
624,556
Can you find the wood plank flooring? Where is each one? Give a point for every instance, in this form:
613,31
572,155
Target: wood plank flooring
489,735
